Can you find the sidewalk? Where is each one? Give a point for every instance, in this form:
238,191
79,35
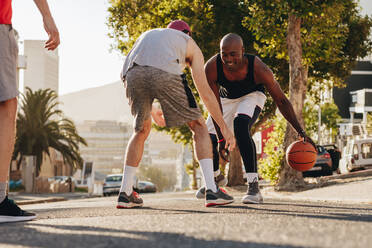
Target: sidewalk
354,191
22,198
355,187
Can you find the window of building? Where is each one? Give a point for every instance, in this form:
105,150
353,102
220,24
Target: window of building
367,150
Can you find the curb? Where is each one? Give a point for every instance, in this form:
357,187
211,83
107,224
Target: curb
271,196
54,199
361,173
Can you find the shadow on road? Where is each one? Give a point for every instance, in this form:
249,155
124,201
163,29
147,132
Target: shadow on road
310,214
43,235
318,206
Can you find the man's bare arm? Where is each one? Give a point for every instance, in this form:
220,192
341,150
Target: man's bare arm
49,25
210,69
264,75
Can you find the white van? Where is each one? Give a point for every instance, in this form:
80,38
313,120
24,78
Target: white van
356,154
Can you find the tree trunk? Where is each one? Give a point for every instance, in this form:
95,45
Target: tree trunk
235,176
290,179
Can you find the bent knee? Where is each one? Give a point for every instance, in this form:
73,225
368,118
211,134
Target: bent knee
144,129
198,124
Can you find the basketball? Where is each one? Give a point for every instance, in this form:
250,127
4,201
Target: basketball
301,155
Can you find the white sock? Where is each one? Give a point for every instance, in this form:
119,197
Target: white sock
128,179
217,173
3,186
252,177
206,166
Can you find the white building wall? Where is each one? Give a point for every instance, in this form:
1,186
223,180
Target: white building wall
42,70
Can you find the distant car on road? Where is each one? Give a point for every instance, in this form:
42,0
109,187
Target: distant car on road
323,164
145,187
112,185
335,154
357,154
61,179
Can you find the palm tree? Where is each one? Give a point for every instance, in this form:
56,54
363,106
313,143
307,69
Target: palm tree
40,126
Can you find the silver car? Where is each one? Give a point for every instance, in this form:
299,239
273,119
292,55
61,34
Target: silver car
112,184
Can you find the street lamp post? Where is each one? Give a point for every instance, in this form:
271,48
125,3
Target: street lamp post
319,122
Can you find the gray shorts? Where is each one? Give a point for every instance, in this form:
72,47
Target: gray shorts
146,83
8,63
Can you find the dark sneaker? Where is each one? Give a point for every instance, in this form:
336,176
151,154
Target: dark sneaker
10,212
218,198
200,194
220,180
253,195
134,200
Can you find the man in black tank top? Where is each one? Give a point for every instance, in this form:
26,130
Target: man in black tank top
238,81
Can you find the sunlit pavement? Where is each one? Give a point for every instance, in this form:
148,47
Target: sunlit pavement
179,220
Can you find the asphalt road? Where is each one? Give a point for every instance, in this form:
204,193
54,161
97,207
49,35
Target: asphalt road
179,220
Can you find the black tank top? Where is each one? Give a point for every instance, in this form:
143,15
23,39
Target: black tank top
236,89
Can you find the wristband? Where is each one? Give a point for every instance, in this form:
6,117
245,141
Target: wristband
221,140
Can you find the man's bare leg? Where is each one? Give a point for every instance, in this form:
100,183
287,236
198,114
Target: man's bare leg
133,157
203,151
8,110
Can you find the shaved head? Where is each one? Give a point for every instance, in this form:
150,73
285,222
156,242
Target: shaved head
232,51
231,39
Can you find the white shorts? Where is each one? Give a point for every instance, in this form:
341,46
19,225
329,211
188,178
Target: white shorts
232,107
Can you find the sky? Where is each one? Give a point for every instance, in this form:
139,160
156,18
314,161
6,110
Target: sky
85,57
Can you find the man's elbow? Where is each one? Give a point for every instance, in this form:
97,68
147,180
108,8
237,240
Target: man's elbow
283,103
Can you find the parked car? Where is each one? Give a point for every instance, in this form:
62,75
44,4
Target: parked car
112,185
335,155
323,164
357,154
145,187
62,179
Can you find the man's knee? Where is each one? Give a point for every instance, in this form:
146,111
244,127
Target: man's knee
144,131
241,123
197,126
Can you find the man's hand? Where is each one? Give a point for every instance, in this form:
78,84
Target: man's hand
307,138
229,139
224,153
52,31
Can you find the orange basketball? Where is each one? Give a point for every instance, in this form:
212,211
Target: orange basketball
301,155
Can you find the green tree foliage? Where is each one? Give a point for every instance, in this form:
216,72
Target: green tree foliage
318,40
329,117
40,126
369,123
333,34
269,166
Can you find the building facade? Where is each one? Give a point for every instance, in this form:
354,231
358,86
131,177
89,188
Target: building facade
42,70
107,141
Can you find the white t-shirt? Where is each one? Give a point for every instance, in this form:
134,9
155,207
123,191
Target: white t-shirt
162,48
